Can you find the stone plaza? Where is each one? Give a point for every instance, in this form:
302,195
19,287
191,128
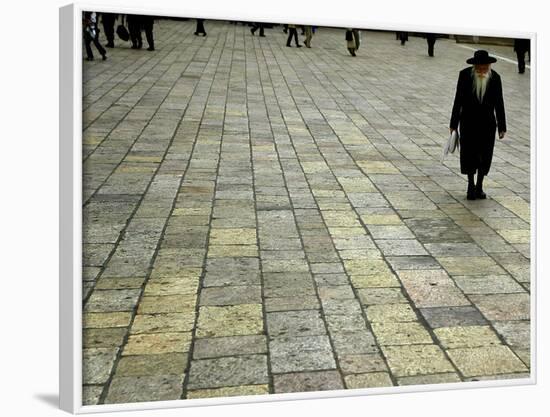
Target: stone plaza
260,219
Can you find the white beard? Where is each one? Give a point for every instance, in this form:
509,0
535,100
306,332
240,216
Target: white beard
480,84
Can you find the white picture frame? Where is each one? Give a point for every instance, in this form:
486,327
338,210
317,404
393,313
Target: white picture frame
71,217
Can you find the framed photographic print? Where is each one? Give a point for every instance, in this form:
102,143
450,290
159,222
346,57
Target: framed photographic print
255,209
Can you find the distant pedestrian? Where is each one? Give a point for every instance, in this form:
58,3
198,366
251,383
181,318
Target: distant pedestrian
256,26
200,28
309,35
146,23
91,35
431,38
292,32
108,20
134,29
477,101
521,46
353,40
403,37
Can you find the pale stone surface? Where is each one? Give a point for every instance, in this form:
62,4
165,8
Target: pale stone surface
157,343
230,321
370,380
307,381
416,360
400,333
390,313
491,284
167,304
471,265
503,306
229,371
485,360
106,320
163,323
242,390
112,300
143,365
171,286
97,364
371,296
383,280
229,346
131,389
470,336
362,363
233,237
429,379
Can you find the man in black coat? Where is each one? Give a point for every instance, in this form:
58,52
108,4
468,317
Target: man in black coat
477,101
108,20
134,28
146,23
521,46
431,38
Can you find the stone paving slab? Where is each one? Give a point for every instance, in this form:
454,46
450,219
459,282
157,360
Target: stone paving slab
261,219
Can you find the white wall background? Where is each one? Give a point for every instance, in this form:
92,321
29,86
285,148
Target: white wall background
29,196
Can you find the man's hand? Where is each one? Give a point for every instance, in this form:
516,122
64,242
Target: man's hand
501,134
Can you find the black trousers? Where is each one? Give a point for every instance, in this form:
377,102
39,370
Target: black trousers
431,42
521,60
88,40
292,32
200,27
147,25
256,26
134,29
108,20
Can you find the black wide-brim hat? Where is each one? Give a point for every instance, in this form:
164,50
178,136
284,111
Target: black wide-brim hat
481,57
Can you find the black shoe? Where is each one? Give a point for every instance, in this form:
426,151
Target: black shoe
263,36
90,58
110,45
104,57
471,193
150,48
289,45
298,46
480,195
134,47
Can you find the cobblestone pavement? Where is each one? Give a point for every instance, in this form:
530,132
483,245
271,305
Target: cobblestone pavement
262,219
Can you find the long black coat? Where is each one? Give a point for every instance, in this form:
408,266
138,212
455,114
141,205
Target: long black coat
477,122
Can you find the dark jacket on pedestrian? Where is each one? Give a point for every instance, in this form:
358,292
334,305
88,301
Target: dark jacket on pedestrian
477,121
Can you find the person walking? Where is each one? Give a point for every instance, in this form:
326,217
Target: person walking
292,32
430,39
200,28
91,35
478,110
403,37
146,23
521,46
353,40
134,29
309,35
256,26
108,21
